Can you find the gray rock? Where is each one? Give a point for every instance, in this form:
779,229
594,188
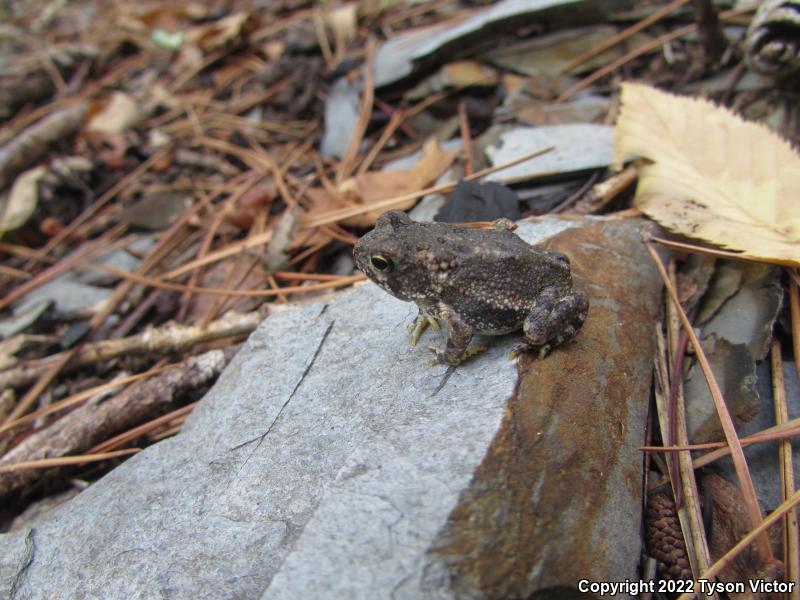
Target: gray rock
121,259
67,294
330,462
341,115
398,57
736,320
762,459
578,147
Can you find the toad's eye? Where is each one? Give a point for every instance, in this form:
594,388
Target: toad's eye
381,263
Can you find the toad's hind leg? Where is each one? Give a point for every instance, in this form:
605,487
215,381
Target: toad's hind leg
554,320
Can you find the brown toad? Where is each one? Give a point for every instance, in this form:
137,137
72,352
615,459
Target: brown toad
487,281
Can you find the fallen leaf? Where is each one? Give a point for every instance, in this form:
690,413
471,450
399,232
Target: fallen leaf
156,211
344,23
380,185
464,73
219,33
8,348
715,176
120,112
283,231
459,74
22,199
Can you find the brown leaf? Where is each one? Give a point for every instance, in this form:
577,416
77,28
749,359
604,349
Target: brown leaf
120,112
375,186
727,528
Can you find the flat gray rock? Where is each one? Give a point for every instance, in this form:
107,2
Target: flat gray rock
329,461
577,147
341,115
399,56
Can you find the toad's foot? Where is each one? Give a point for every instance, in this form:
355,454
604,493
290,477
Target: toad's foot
441,357
523,348
420,324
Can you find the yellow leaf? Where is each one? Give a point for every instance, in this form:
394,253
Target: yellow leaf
714,176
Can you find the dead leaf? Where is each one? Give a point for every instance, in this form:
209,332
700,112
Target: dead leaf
222,32
120,112
464,73
22,199
283,231
380,185
156,211
727,528
715,176
344,23
249,276
459,74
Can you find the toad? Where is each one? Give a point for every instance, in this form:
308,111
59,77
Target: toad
486,281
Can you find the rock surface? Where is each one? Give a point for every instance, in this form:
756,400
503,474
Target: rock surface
577,147
398,57
330,462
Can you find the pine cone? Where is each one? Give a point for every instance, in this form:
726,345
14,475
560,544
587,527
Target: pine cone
772,43
665,539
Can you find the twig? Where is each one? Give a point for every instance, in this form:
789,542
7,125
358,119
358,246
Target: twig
466,139
745,482
340,282
161,341
722,253
395,121
164,246
88,425
768,435
347,164
85,252
80,397
334,216
132,434
688,512
30,145
64,461
221,254
711,36
794,309
791,532
101,201
604,192
45,376
776,432
637,52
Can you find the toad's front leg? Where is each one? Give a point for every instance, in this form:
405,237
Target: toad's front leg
459,335
420,324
